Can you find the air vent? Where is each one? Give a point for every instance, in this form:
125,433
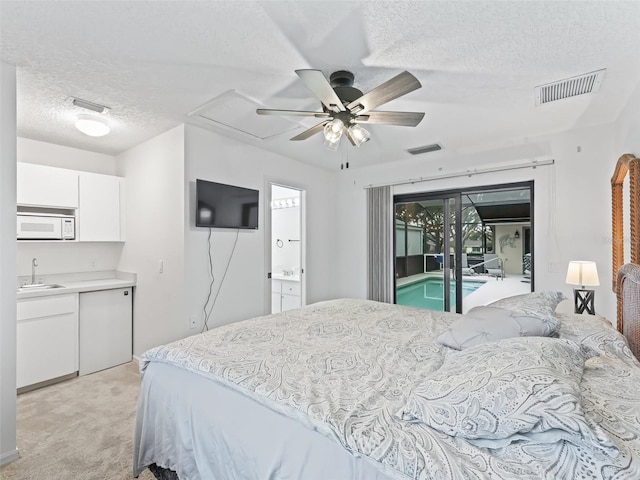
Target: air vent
569,87
425,149
94,107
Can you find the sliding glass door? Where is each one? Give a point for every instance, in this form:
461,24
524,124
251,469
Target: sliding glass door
450,247
425,252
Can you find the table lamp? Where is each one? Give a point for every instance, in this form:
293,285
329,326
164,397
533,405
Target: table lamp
584,274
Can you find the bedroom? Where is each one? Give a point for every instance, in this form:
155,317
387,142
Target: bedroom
563,231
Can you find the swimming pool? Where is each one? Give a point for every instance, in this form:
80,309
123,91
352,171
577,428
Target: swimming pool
428,293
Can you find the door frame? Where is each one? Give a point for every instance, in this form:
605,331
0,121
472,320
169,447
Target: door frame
269,181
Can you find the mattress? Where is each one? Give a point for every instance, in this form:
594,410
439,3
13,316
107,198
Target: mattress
316,393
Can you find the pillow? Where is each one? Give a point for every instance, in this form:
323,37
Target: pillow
489,324
511,390
540,304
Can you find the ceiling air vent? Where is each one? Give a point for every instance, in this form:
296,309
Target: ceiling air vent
425,149
569,87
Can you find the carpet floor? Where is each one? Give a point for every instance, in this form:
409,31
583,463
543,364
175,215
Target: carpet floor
78,429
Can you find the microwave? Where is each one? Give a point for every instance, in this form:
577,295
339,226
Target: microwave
46,227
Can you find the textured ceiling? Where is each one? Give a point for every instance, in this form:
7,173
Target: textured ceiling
153,62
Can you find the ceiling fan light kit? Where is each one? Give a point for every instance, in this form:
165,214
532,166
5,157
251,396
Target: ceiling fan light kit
344,106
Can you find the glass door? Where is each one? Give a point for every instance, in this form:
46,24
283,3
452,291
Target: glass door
426,246
468,246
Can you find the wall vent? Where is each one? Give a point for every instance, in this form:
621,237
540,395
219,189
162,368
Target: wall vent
425,149
569,87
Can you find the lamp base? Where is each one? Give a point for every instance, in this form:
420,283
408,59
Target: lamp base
583,300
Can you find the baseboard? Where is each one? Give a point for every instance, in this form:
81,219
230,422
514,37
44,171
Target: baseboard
9,457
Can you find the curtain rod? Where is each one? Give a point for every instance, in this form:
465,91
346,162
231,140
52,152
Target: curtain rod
466,173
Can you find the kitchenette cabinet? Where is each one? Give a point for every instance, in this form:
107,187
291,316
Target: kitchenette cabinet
98,216
94,201
48,187
47,338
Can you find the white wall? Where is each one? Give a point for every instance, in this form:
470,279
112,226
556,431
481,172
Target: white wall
511,254
8,447
44,153
66,257
213,157
571,205
154,222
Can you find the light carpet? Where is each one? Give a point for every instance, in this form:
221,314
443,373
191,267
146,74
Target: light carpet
78,429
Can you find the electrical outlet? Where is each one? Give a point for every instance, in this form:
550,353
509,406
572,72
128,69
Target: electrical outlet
193,321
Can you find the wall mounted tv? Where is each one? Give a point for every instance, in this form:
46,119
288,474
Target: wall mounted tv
226,206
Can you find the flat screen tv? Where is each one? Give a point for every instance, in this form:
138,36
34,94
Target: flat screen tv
225,206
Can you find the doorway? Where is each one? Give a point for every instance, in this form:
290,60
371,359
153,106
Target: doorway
286,247
462,248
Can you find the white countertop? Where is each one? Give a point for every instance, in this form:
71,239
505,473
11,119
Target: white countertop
80,282
288,278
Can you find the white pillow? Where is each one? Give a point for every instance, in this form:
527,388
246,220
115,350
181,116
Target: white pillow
510,390
489,324
538,304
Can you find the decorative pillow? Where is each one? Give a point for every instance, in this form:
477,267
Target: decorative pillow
506,391
534,303
489,324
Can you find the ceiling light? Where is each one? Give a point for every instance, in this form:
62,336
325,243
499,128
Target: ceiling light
333,133
359,135
92,125
333,130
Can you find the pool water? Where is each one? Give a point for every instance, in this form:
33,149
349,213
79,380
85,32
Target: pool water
428,293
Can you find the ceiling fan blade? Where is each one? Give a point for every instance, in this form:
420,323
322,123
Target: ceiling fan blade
298,113
321,88
405,119
399,85
311,131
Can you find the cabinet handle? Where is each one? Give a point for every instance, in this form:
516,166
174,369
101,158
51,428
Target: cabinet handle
126,293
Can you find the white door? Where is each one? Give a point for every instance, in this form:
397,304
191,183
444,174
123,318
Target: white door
286,247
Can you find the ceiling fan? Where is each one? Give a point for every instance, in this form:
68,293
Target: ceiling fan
344,107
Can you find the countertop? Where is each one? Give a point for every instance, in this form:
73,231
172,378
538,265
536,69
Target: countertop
78,282
288,278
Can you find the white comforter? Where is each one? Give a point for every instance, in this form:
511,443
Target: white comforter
346,367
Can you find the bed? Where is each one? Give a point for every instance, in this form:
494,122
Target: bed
356,389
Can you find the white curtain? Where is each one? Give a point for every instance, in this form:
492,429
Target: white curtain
380,244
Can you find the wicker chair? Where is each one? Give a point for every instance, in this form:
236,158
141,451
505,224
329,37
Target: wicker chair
628,294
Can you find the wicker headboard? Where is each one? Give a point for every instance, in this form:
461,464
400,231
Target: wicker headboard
626,163
628,293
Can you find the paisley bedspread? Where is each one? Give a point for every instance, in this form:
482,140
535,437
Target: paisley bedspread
346,367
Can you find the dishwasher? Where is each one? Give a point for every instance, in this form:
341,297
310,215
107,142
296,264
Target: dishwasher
105,329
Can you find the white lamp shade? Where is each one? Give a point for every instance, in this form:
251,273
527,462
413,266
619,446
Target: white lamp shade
582,273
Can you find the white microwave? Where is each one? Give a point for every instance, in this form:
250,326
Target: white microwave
46,227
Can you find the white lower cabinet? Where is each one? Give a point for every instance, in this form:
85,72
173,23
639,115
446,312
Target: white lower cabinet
47,338
105,329
285,295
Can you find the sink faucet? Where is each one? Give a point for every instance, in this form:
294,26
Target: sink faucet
34,264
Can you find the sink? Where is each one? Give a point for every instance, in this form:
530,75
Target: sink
38,286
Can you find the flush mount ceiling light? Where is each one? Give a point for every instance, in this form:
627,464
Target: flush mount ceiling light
344,106
92,125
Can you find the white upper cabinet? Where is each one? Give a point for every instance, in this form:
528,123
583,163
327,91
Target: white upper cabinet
98,216
50,187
